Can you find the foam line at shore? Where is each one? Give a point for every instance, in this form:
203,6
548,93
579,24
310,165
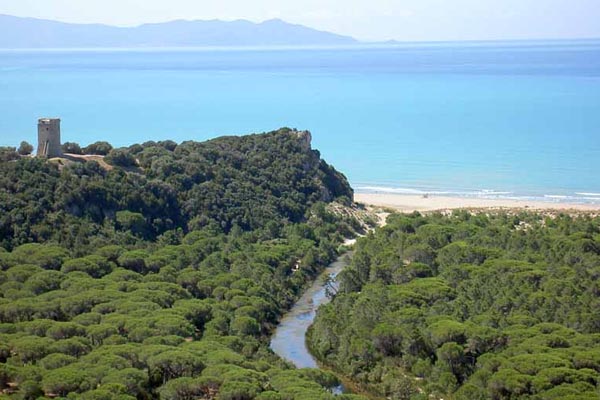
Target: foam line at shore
409,203
591,198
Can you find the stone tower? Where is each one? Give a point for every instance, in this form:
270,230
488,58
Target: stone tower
49,138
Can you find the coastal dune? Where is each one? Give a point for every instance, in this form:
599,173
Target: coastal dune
410,203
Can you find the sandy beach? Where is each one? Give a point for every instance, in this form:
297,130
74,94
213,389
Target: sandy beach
410,203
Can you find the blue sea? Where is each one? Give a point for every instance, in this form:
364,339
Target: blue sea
512,120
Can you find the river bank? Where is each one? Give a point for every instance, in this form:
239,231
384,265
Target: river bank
288,341
290,338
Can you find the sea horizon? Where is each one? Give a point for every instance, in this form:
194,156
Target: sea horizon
510,119
391,43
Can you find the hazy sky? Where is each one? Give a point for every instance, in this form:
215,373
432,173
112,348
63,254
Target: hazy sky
363,19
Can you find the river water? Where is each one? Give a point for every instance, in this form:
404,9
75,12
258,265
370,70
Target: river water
289,340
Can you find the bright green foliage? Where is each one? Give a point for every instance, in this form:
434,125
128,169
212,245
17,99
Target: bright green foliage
242,325
186,389
92,265
497,306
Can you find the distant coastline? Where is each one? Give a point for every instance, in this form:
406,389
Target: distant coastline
44,34
19,32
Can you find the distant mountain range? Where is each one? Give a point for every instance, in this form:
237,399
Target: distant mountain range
17,32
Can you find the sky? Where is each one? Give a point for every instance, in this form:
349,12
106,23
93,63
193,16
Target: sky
370,20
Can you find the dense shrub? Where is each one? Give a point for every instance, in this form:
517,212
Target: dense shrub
99,148
476,304
162,281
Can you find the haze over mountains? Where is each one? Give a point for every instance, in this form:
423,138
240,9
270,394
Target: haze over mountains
18,32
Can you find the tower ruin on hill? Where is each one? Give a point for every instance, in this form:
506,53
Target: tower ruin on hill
49,138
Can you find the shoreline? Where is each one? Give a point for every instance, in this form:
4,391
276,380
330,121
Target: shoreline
408,203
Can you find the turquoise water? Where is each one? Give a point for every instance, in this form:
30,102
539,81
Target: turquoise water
490,120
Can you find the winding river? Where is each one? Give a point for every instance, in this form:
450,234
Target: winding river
289,340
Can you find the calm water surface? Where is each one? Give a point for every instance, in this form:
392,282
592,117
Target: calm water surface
288,341
489,120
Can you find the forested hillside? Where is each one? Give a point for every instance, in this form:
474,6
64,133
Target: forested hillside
246,182
163,276
470,307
